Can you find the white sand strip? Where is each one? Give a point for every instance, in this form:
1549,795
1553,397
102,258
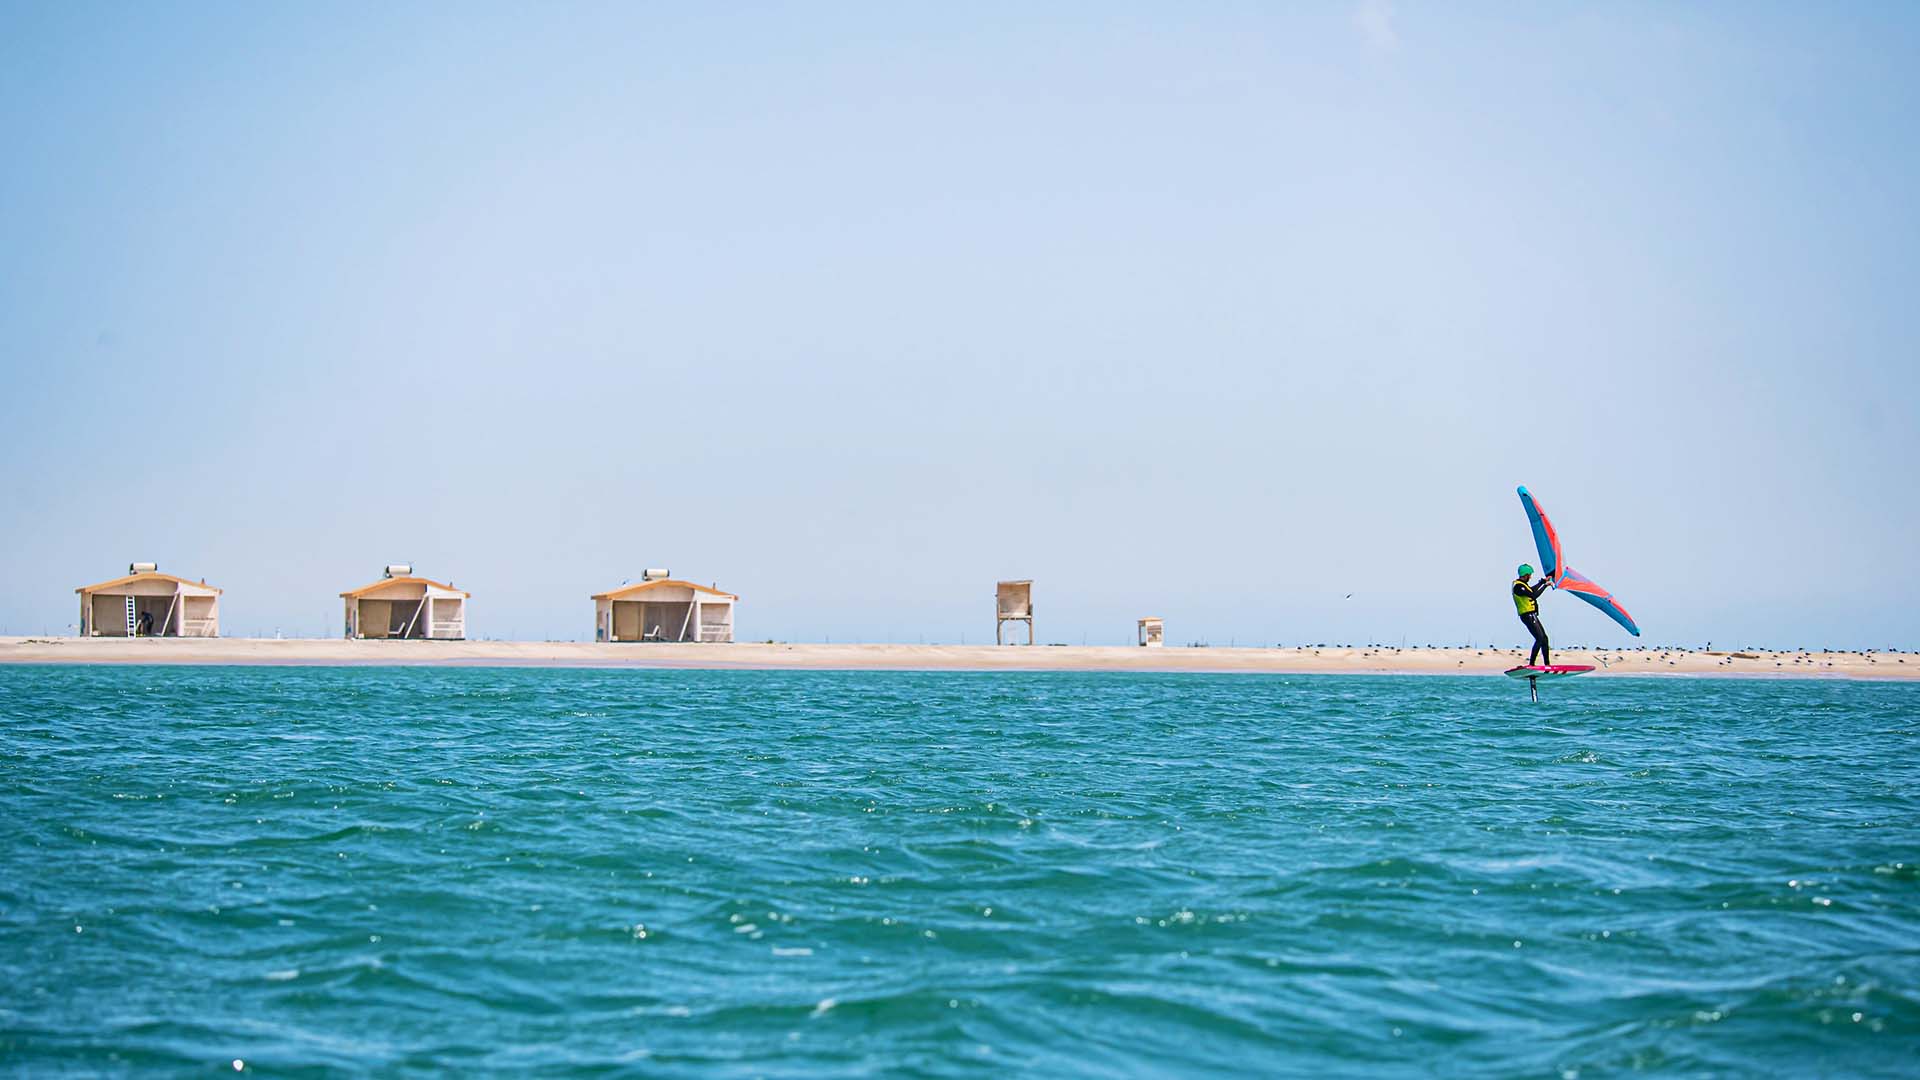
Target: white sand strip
1335,660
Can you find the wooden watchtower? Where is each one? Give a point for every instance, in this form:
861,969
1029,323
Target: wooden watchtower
1013,602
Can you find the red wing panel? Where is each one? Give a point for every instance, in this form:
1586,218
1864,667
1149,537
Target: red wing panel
1589,590
1545,540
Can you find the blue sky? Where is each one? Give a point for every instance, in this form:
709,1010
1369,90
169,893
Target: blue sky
1216,312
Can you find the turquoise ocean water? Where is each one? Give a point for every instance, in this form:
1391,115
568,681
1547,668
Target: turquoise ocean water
559,872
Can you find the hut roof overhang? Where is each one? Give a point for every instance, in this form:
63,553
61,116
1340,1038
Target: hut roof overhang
625,591
150,575
384,583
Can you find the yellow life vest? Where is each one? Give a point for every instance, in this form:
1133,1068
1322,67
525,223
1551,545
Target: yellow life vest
1523,599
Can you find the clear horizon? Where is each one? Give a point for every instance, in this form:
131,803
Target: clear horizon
1216,315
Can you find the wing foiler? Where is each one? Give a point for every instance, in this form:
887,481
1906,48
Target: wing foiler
1546,542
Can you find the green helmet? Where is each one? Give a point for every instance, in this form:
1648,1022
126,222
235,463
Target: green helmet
1526,570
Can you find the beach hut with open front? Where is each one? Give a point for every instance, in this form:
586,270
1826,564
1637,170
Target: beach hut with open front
1153,632
401,605
148,603
660,608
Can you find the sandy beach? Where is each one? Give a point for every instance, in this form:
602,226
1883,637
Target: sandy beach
1331,660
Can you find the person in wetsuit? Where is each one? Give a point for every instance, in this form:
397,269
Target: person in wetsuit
1526,599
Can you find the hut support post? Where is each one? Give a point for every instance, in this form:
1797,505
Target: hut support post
408,632
172,605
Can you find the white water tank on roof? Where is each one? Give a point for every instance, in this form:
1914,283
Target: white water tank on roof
652,574
399,569
142,567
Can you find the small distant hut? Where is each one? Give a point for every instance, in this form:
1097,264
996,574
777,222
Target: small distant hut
661,608
1013,602
401,605
1153,632
148,603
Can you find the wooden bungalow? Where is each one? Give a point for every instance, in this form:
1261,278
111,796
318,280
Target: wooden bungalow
1153,632
400,605
148,603
660,608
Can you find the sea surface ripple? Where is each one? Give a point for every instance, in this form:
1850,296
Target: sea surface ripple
308,871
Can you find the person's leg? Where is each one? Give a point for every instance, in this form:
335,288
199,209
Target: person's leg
1539,633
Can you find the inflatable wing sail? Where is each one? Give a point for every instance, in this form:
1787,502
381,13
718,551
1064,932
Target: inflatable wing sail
1587,589
1545,540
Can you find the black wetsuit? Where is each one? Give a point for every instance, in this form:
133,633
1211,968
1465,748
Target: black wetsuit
1524,596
